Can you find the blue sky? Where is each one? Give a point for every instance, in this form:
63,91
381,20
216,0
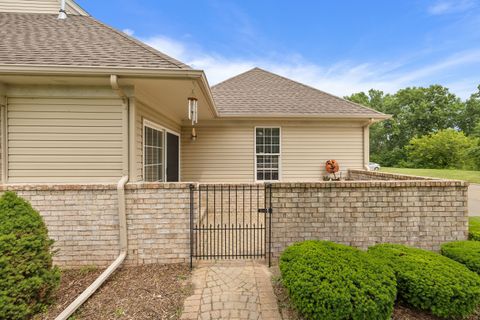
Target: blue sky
337,46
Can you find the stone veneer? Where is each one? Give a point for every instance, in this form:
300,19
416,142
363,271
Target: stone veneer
422,213
83,219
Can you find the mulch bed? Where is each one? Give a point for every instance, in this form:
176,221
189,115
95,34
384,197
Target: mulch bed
141,292
288,311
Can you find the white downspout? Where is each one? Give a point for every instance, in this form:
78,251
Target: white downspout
366,144
121,257
122,221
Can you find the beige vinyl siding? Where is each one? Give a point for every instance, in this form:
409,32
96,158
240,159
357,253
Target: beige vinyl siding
306,148
34,6
144,112
65,139
220,154
225,153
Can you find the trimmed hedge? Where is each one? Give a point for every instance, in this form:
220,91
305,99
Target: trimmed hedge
326,280
465,252
429,281
27,277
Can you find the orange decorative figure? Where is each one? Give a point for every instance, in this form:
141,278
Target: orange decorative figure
332,166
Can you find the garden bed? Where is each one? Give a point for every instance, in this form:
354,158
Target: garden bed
142,292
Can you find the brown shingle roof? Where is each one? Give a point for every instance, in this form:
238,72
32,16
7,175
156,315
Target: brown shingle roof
42,39
261,93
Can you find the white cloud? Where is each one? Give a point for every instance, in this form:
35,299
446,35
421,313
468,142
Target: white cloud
450,6
129,32
342,78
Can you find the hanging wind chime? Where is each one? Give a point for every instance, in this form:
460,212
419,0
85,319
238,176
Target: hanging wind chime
193,113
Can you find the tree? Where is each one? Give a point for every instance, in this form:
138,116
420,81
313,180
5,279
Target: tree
382,135
445,149
470,118
415,111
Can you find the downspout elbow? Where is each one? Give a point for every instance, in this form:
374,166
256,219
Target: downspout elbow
116,87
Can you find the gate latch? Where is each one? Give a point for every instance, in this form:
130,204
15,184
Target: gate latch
265,210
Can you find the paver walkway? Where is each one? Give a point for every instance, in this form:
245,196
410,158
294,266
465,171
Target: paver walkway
236,289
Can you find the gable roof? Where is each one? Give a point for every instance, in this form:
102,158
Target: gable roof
78,41
261,93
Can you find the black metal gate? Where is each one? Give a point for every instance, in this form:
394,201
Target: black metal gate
230,221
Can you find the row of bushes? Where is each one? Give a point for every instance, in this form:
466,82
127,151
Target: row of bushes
332,281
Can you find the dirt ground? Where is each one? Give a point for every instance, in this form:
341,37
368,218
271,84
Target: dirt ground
288,312
142,292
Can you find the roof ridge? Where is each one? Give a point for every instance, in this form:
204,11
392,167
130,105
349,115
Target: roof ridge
321,91
234,77
144,46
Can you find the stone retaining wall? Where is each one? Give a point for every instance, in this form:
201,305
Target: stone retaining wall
423,213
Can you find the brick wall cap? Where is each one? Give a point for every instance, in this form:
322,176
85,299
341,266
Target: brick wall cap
157,185
56,187
372,183
405,177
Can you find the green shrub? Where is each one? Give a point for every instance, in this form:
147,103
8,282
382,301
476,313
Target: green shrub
326,280
27,278
429,281
465,252
474,235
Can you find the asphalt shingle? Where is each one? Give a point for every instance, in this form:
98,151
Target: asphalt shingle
42,39
258,92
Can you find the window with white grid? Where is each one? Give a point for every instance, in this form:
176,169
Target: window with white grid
153,152
267,153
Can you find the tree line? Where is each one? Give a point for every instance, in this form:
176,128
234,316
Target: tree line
430,128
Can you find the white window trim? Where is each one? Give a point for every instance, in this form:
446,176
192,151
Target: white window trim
156,126
279,153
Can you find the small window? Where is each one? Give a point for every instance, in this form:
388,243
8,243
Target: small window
153,152
267,153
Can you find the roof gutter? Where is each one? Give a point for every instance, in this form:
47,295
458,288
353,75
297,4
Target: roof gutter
42,70
331,116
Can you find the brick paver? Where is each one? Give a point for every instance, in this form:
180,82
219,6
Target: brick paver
236,289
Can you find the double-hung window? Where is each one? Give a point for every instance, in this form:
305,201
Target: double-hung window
267,153
153,152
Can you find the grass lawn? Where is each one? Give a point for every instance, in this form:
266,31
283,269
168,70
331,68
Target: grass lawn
474,224
470,176
474,228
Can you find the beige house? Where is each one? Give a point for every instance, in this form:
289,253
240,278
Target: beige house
83,103
86,109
